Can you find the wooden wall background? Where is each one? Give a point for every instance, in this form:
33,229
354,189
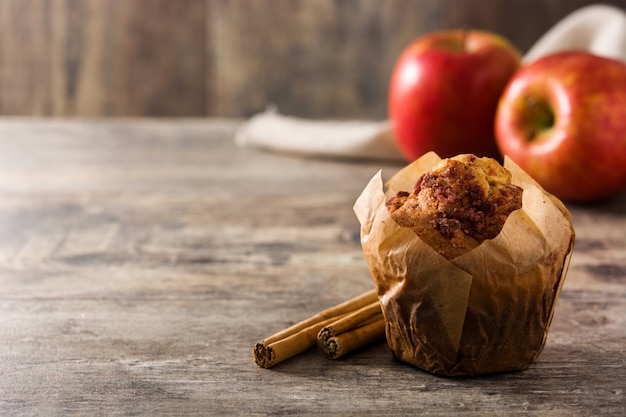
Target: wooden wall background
229,58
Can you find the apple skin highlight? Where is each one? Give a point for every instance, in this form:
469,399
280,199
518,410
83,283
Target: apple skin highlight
562,119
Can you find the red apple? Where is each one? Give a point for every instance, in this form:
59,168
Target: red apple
444,92
562,119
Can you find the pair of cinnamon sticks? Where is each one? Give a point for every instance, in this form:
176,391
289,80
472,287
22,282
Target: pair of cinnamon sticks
336,331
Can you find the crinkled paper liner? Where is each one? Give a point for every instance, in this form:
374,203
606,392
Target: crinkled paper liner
486,311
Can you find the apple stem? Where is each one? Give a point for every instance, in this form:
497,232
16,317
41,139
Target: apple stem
541,113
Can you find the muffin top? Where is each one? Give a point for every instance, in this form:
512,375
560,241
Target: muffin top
461,202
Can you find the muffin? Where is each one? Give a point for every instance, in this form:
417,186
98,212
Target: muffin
457,205
468,257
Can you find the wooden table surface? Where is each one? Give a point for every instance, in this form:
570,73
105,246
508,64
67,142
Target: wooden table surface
140,261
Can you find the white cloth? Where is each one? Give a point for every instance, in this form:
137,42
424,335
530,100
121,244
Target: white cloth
599,29
332,138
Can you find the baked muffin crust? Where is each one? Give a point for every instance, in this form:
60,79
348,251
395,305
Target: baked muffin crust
461,202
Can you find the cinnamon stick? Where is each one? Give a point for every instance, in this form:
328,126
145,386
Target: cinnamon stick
337,346
351,332
303,335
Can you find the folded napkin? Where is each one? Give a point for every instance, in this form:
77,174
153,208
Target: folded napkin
342,139
599,29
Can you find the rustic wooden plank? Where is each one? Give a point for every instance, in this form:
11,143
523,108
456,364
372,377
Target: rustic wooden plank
102,58
25,76
140,260
316,59
522,22
329,59
310,58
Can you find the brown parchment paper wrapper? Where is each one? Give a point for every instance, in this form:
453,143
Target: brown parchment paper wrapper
486,311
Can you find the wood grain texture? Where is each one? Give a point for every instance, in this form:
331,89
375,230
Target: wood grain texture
521,21
230,58
333,59
320,58
102,58
141,260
